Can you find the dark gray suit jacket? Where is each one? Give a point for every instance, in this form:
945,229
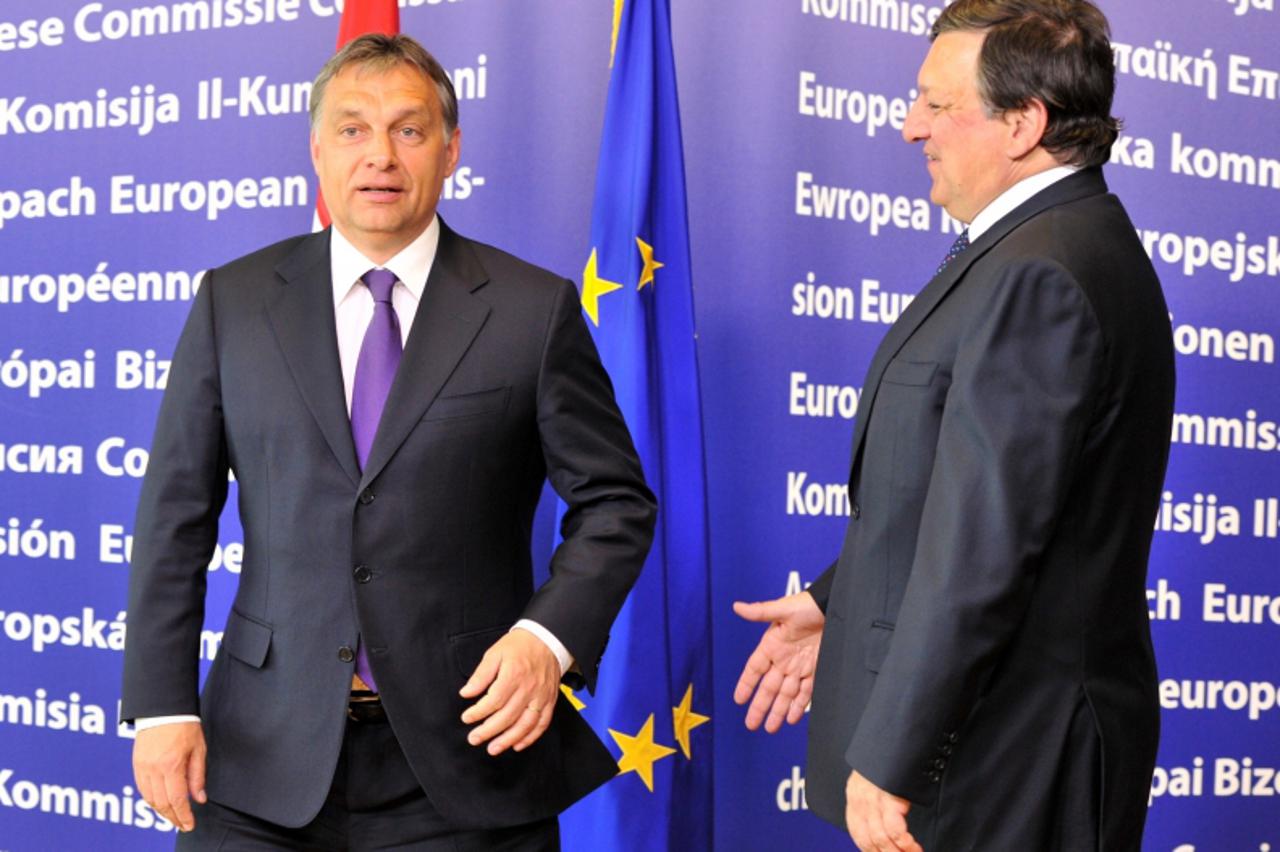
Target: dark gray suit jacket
987,652
424,554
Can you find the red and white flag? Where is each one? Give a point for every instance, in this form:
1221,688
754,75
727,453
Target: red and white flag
360,17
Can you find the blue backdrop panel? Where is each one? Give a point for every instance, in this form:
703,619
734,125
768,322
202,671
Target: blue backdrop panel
809,228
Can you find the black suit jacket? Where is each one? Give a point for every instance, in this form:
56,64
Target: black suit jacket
424,554
987,651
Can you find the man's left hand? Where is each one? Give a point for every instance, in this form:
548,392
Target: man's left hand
519,677
877,820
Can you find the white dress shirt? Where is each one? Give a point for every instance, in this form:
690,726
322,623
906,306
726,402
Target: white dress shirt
352,311
1007,201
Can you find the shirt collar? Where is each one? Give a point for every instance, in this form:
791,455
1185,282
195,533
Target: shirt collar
1007,201
411,265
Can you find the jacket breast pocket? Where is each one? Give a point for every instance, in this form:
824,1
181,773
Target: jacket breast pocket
878,638
493,401
910,403
918,373
246,639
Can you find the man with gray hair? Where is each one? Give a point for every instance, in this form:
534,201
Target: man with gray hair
391,397
979,656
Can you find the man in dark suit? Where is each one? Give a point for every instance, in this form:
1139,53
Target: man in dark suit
979,657
390,397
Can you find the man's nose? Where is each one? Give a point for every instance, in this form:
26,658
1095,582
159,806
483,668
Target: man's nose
381,153
916,126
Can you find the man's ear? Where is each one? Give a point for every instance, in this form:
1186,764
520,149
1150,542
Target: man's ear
452,151
1026,126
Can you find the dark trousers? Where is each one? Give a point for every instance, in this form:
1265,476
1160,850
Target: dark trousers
375,803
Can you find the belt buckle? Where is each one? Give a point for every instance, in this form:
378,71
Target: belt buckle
364,706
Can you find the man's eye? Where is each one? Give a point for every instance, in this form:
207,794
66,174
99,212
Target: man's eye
409,132
348,131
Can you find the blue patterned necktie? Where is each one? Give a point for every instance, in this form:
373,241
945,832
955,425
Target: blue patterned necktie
961,243
375,371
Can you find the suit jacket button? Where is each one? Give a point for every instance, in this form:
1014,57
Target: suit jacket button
367,496
939,763
363,574
935,777
953,737
855,511
346,654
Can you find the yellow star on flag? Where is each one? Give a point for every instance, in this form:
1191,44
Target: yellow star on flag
685,720
573,699
593,287
640,752
650,265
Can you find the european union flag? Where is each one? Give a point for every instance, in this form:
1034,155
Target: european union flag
654,694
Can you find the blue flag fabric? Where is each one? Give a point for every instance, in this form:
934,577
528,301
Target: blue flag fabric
653,703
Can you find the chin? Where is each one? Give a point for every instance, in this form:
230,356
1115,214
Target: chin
379,224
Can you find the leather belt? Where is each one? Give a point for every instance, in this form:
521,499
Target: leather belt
365,707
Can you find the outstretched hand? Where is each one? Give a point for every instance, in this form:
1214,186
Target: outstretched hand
780,670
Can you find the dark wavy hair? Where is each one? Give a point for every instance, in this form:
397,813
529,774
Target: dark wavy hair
1054,51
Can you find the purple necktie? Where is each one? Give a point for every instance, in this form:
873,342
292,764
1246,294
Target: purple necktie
375,371
961,243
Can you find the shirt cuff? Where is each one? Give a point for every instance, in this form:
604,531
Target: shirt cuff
149,722
562,653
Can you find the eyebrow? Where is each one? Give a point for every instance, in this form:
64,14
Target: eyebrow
357,112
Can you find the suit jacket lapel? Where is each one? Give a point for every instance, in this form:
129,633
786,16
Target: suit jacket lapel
301,314
447,321
1082,184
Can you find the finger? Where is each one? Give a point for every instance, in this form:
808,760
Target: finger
876,836
765,695
523,725
142,779
175,792
756,667
151,785
885,837
759,611
907,843
497,696
484,674
544,722
195,775
894,815
782,703
800,703
502,718
858,832
159,803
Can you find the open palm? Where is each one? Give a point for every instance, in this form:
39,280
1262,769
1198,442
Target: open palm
780,670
